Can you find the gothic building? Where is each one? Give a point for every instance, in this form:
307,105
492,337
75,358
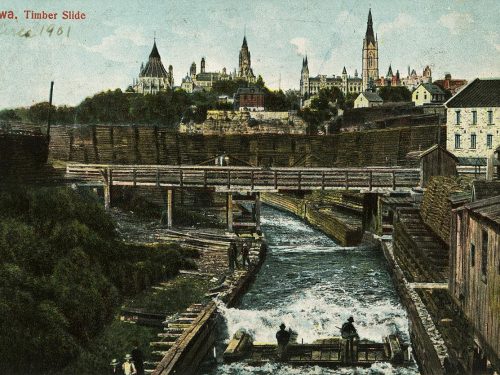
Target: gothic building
370,56
413,79
153,76
204,80
310,86
245,71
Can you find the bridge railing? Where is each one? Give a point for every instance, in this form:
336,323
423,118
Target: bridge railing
248,178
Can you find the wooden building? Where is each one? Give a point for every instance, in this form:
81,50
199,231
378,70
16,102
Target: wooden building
436,161
475,275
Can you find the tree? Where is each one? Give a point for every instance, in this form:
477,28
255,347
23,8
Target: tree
395,94
9,115
39,113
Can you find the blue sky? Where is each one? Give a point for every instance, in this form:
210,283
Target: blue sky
105,51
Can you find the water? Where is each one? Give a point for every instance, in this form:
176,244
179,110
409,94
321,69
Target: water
313,285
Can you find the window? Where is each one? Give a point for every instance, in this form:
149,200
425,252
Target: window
416,97
489,141
425,95
457,140
472,255
484,253
473,141
490,117
457,113
474,117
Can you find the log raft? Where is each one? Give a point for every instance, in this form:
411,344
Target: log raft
328,352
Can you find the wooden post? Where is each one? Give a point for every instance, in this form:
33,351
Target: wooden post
257,212
108,183
323,180
170,207
229,212
346,179
276,180
393,180
371,180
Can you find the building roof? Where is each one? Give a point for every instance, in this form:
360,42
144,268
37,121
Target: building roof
485,189
469,161
372,96
478,93
486,209
436,146
207,76
432,88
249,90
154,66
154,51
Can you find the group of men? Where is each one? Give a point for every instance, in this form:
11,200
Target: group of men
233,254
348,332
133,363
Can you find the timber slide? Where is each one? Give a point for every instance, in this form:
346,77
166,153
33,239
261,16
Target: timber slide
328,352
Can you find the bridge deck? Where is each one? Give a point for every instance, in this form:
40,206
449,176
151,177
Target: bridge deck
237,178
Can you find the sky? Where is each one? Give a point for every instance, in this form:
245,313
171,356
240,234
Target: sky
105,50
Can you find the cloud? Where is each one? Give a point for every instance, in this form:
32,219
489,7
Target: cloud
403,21
494,39
302,45
117,46
456,22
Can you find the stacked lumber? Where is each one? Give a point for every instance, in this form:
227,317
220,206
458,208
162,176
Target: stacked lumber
419,252
436,206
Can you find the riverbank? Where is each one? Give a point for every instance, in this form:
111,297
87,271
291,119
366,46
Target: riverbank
344,226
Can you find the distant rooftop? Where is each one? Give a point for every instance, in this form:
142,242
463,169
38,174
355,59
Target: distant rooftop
432,88
478,93
372,96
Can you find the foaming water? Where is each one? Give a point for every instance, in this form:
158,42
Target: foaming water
313,285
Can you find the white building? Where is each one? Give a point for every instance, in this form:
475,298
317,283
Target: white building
473,119
368,99
427,93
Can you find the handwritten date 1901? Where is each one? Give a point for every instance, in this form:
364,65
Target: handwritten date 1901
40,30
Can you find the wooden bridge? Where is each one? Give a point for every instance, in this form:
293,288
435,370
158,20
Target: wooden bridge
248,179
241,182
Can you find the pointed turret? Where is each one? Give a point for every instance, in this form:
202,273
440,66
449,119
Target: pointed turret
370,37
244,45
154,52
344,71
389,72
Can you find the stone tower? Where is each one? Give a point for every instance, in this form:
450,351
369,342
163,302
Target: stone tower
370,55
304,79
202,65
245,63
192,70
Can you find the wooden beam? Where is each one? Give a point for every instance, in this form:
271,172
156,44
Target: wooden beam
229,212
170,207
257,211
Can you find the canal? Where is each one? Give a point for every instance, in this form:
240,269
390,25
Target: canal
313,285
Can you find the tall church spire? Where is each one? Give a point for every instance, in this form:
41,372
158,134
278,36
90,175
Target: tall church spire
370,37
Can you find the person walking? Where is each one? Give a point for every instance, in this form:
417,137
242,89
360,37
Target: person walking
116,368
128,366
231,255
245,250
138,359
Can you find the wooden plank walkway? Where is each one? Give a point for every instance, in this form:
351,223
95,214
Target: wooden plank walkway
242,178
